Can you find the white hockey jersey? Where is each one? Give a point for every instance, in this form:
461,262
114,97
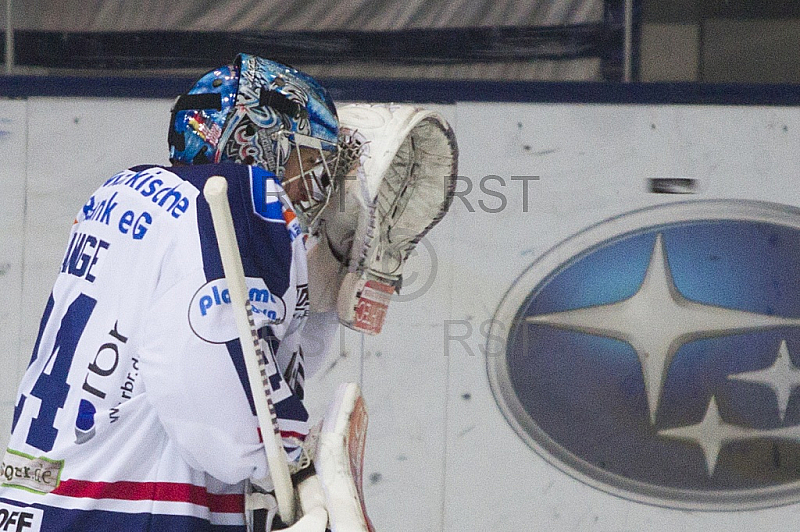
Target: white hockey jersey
134,413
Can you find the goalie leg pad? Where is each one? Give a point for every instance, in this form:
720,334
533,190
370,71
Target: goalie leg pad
340,461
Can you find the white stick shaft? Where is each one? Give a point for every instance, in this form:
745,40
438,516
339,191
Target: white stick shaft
216,193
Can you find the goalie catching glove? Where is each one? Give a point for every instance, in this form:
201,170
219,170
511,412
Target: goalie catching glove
401,186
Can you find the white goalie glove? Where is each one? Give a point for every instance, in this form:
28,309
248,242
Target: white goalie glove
401,186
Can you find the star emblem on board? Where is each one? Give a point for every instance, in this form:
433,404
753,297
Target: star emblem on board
678,321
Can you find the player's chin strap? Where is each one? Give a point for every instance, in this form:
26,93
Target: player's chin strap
402,187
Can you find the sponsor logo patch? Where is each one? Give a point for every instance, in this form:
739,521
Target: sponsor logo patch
38,475
210,315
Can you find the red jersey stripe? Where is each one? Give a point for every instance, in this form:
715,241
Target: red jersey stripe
152,491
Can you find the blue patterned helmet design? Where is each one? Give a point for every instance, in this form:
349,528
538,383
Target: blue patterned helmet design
255,112
199,117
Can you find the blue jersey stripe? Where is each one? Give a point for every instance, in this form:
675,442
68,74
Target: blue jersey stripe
64,520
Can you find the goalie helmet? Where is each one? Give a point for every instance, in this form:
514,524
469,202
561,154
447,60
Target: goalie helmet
256,111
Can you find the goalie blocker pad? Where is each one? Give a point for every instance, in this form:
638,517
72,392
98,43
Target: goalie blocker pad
401,189
340,460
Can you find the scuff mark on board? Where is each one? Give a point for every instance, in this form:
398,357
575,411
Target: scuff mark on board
466,431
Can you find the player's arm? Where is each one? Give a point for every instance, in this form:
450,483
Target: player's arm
190,364
196,392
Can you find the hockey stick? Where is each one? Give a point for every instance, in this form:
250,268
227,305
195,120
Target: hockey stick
216,194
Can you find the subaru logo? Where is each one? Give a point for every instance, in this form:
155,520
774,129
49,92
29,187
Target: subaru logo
656,355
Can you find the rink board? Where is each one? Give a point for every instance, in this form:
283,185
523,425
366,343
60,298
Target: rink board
440,444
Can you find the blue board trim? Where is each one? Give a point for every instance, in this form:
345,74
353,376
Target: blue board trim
431,91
